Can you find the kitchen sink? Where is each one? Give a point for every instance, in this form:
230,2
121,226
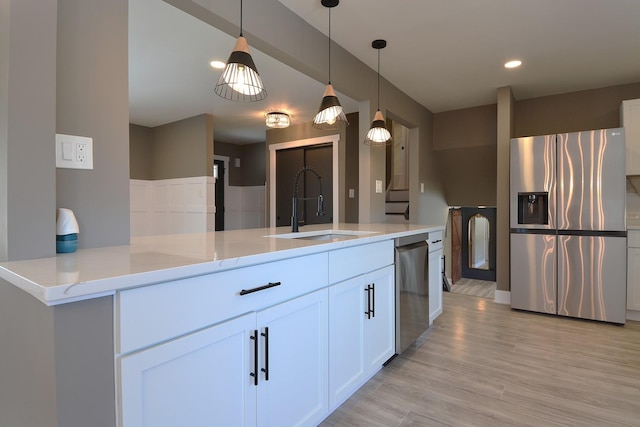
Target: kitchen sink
323,235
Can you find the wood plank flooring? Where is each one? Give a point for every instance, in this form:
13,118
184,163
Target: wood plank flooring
476,288
483,364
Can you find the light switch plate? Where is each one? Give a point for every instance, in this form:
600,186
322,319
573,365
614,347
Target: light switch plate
74,152
352,193
378,186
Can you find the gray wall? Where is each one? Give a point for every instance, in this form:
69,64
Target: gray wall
92,100
252,169
575,111
57,360
183,149
27,128
140,148
180,149
351,169
465,147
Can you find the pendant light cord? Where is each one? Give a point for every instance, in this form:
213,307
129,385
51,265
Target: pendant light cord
329,45
240,18
378,79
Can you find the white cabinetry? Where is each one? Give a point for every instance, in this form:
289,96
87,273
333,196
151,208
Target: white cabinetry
633,272
266,369
361,330
198,380
435,275
630,120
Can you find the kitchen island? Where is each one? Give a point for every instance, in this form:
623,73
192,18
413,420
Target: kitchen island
239,327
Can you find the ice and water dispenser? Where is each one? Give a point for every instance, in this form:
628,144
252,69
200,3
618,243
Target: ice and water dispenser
533,208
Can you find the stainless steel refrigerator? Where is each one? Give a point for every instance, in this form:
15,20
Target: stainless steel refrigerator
567,219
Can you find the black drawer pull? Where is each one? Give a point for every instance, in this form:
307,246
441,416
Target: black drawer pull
260,288
437,241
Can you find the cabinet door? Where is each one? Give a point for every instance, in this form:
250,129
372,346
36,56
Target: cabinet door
201,379
633,279
630,119
295,361
347,307
435,285
380,326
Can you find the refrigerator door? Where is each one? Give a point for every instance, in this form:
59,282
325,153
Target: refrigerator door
592,277
533,272
532,170
591,180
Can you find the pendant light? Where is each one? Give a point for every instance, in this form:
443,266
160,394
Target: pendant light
331,114
378,134
240,80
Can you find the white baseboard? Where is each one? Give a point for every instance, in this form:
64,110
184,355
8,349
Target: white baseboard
633,315
502,297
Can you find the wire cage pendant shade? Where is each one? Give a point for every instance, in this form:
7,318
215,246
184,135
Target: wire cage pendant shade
378,134
240,80
330,115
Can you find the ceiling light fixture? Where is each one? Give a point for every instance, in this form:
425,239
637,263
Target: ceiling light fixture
513,64
277,119
240,80
218,65
331,114
378,134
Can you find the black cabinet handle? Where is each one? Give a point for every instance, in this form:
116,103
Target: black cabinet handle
254,374
260,288
373,298
265,334
370,290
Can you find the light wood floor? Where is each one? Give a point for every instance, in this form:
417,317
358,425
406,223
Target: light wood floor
483,364
476,288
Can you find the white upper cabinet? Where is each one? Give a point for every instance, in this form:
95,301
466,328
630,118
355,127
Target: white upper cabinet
630,120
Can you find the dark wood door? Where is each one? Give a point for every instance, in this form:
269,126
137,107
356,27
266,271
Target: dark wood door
485,269
288,164
456,245
219,197
320,158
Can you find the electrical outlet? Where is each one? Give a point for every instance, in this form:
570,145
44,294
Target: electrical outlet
74,152
81,152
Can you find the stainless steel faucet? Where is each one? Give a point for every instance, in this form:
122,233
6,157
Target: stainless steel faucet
294,209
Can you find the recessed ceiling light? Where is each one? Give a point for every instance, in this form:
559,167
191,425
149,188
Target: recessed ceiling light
513,64
217,64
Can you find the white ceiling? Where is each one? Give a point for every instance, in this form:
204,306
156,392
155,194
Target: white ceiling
445,54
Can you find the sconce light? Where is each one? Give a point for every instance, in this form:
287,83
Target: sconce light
277,119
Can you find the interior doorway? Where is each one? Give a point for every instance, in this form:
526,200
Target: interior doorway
289,162
478,248
219,173
329,140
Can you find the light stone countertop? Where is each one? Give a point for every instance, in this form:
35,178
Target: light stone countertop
90,273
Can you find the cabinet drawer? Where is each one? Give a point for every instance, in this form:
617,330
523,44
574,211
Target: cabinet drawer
351,262
633,239
435,240
152,314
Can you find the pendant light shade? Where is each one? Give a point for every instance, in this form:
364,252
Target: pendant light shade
330,115
378,134
240,80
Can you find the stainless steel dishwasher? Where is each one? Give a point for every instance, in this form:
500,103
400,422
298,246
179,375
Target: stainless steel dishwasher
412,289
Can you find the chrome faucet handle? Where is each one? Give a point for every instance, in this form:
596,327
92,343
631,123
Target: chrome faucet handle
320,211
